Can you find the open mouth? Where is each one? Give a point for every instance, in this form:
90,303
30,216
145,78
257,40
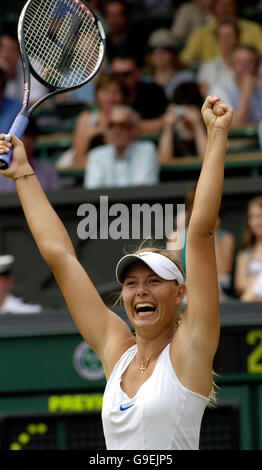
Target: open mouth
145,309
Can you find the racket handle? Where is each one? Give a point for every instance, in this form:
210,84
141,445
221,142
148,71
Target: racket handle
18,127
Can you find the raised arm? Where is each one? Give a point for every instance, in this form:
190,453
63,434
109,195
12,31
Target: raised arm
198,334
202,285
98,325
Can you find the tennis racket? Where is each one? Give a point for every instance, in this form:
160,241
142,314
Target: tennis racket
62,43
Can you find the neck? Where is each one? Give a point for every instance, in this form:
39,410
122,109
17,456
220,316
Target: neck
148,348
120,151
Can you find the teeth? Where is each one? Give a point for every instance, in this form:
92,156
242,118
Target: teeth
145,314
144,309
144,305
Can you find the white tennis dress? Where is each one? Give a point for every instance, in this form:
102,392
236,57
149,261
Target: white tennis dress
163,415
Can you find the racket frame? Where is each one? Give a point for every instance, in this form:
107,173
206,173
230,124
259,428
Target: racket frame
28,68
21,121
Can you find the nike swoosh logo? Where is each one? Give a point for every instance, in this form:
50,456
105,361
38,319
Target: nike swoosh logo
123,408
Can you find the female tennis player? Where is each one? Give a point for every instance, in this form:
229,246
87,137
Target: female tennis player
158,382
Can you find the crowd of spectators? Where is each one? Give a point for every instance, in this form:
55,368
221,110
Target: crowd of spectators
143,109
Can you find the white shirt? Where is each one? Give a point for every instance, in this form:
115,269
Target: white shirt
14,304
214,72
137,166
163,415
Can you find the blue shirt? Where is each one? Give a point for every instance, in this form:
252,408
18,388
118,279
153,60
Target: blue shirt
230,94
9,109
137,166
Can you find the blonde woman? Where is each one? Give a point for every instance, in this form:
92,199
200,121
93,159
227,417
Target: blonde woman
158,381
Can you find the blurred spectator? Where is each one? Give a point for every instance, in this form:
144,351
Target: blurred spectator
202,44
8,302
224,246
9,108
164,67
121,38
220,69
90,126
244,92
248,272
184,132
10,61
153,6
124,161
146,98
189,17
45,172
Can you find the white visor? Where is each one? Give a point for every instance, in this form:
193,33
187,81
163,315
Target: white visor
160,264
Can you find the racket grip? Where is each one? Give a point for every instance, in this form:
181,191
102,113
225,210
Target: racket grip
18,127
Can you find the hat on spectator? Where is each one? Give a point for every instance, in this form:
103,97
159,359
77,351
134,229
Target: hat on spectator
6,264
161,38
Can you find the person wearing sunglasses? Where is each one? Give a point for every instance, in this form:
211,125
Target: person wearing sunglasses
125,160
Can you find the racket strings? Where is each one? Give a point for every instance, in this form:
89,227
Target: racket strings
87,55
62,41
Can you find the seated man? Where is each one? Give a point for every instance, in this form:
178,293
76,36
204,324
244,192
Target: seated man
8,302
244,92
124,161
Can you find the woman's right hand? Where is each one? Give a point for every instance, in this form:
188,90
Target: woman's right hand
19,165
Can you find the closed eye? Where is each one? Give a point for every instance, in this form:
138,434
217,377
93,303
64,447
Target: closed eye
130,283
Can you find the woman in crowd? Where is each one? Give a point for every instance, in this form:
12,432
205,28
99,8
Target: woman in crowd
224,247
248,273
183,132
91,124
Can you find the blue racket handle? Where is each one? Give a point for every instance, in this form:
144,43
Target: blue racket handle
18,127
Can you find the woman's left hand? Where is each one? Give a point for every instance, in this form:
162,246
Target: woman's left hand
216,114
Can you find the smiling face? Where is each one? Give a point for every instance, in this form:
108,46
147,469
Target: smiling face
150,301
121,131
244,62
